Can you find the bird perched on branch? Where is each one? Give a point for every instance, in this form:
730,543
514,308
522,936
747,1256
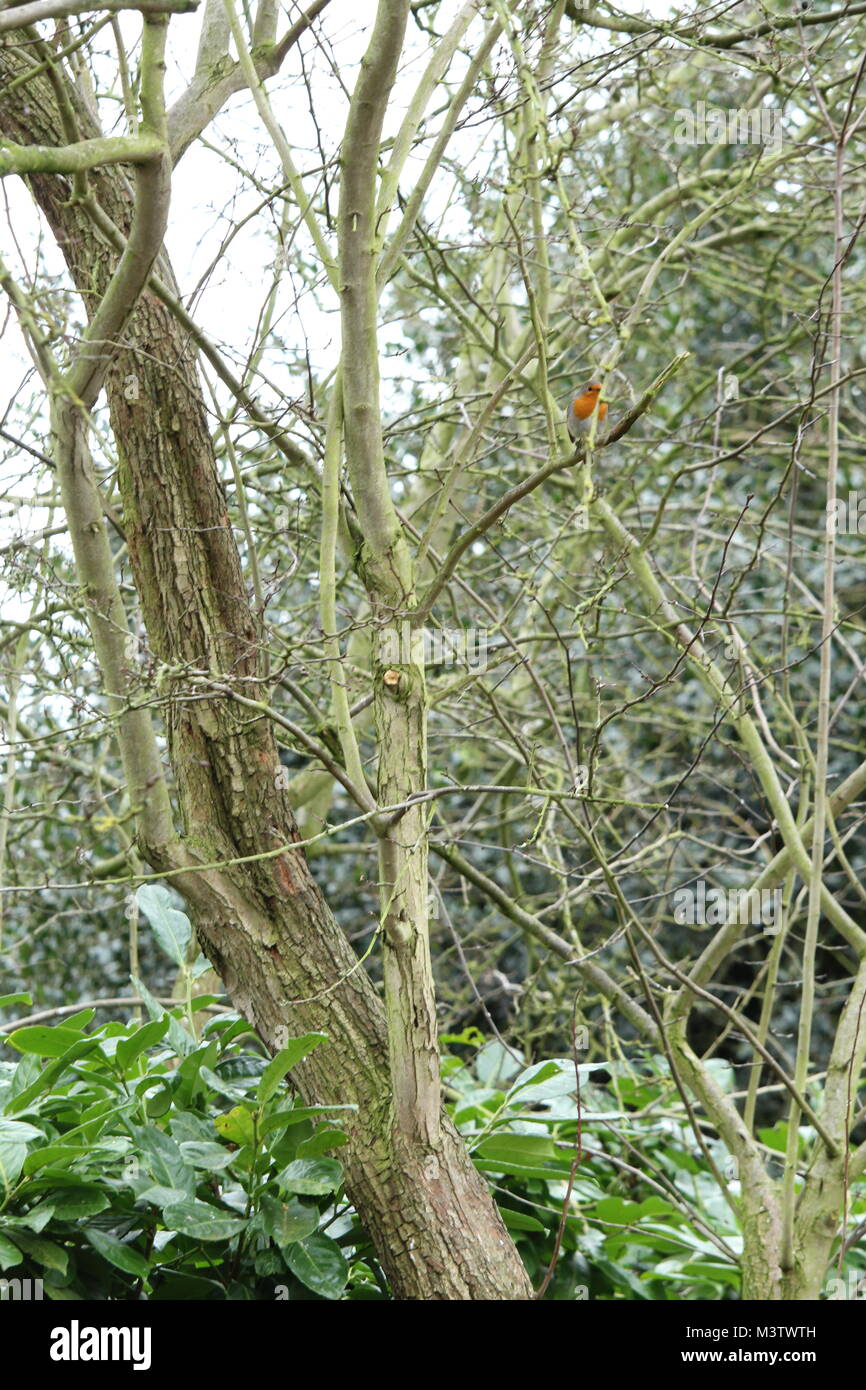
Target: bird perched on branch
585,409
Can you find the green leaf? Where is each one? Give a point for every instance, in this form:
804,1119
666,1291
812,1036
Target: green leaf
6,1000
286,1222
48,1075
19,1130
535,1081
189,1069
470,1037
777,1137
38,1217
202,1154
28,1070
153,1006
163,1157
318,1262
525,1155
44,1041
694,1270
44,1252
520,1221
182,1041
311,1177
202,1221
495,1064
78,1022
9,1254
72,1203
172,928
122,1256
286,1058
15,1137
324,1139
616,1211
281,1119
222,1087
236,1126
158,1104
622,1278
158,1195
146,1036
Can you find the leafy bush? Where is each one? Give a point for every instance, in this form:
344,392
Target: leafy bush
652,1212
139,1161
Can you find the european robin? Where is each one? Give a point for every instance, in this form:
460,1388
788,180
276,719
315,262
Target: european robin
584,409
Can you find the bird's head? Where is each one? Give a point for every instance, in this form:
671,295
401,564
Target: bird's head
585,404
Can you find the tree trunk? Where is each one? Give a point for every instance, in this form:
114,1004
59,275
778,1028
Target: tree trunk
260,917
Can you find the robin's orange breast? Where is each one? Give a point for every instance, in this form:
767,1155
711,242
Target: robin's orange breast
583,408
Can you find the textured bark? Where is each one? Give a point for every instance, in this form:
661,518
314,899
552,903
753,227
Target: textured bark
401,722
388,570
264,923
